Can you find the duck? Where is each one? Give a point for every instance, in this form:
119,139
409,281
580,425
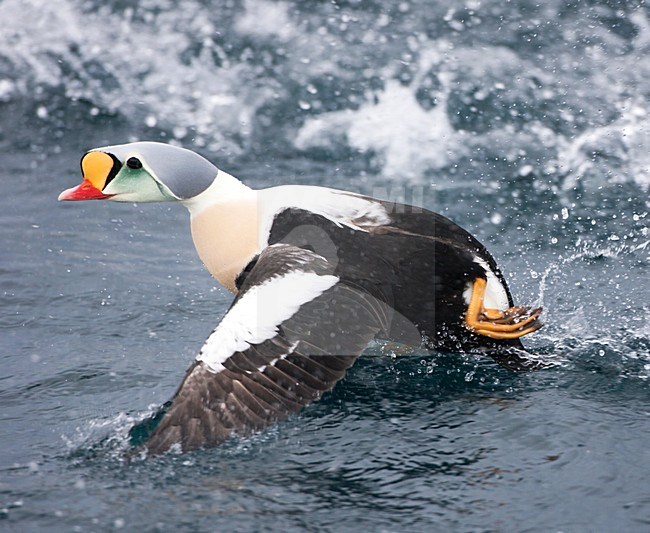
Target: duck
317,275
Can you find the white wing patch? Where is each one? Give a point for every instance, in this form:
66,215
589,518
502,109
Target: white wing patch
496,296
258,313
342,208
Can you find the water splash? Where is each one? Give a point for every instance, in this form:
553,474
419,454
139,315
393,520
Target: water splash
595,320
589,250
107,436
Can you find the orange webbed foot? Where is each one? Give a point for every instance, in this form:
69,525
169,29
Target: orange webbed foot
512,323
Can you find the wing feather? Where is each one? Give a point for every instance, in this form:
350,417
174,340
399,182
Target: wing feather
276,366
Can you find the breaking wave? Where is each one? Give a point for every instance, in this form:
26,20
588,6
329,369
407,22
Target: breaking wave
408,89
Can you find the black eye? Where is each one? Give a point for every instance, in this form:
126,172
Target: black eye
134,163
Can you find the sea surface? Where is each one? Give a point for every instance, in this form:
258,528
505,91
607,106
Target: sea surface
527,123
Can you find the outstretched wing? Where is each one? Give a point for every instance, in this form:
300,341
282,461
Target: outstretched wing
290,335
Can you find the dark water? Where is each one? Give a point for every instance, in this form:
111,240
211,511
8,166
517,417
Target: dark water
527,124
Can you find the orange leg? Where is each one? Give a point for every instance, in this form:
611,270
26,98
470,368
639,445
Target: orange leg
512,323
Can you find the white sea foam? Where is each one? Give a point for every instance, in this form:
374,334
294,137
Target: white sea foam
408,138
616,153
263,18
260,75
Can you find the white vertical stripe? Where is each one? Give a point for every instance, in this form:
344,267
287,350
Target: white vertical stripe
496,296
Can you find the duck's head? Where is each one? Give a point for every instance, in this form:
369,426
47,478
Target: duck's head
142,172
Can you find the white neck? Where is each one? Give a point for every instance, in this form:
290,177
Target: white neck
225,227
224,189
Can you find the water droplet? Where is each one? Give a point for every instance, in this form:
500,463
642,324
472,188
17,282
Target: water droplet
496,218
526,170
179,132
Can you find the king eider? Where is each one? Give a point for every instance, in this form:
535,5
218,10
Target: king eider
317,274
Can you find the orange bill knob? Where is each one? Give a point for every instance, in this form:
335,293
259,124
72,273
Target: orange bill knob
96,167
